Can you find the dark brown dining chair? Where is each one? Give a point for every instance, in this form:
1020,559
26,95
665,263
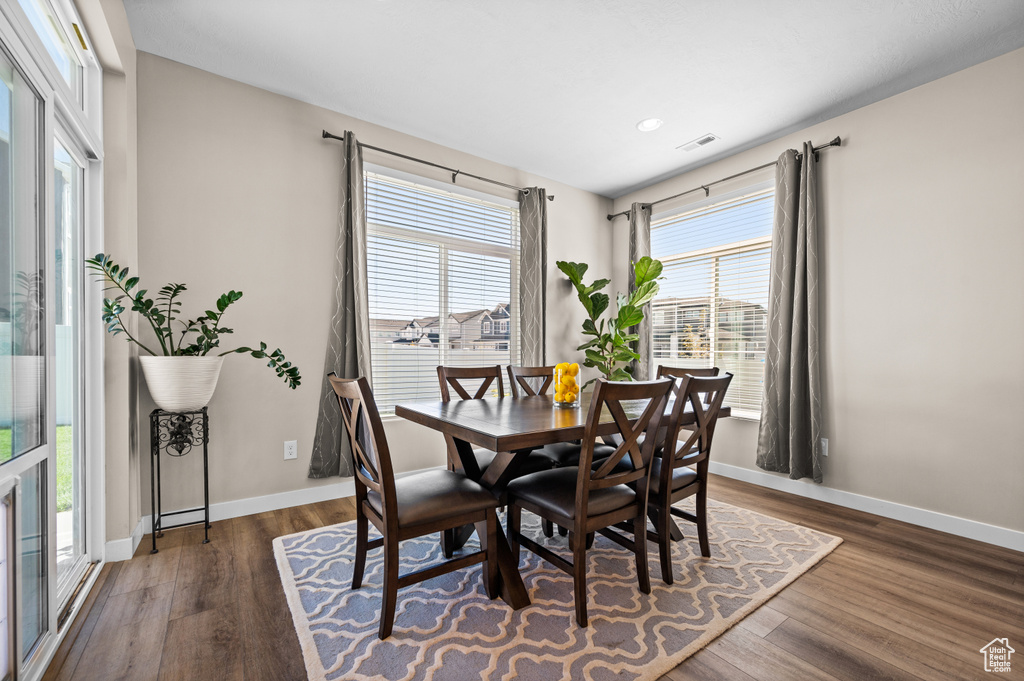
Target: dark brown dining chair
590,498
415,505
475,383
682,469
460,379
561,453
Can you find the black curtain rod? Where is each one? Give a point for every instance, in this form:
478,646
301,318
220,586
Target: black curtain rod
454,171
707,187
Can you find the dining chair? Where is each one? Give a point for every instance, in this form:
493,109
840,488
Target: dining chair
561,453
475,383
681,470
415,505
459,379
590,498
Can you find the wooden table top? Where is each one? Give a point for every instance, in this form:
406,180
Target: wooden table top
507,424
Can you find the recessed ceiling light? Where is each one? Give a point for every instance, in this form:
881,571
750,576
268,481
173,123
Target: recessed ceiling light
648,124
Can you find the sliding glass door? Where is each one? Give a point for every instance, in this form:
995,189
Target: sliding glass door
48,180
69,471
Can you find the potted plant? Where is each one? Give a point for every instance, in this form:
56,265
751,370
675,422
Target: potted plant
609,350
180,371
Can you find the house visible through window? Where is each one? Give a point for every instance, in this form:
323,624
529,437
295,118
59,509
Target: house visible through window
443,272
713,305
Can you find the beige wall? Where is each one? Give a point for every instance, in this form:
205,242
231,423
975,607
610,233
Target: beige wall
238,190
922,294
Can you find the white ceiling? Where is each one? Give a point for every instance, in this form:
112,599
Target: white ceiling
556,87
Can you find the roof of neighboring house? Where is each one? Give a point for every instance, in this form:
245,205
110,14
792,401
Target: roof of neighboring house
462,317
388,324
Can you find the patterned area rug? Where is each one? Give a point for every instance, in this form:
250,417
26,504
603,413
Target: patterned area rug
446,629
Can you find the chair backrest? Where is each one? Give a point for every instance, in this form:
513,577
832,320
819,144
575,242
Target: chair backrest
370,453
679,372
453,377
608,398
703,396
521,387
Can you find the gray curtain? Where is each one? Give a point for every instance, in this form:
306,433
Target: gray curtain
348,339
533,266
790,432
639,246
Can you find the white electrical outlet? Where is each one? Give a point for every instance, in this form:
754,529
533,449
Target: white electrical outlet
824,446
291,449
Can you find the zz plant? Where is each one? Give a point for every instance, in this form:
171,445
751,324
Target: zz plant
176,337
609,350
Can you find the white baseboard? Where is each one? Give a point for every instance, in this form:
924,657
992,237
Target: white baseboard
123,549
971,529
270,502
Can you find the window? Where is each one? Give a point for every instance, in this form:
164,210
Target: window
48,27
441,267
714,298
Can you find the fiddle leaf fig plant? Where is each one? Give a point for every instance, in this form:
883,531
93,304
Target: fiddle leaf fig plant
609,350
176,337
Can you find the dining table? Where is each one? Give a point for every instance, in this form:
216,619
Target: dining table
512,427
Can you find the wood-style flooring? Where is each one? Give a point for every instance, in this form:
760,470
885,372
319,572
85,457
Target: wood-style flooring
894,601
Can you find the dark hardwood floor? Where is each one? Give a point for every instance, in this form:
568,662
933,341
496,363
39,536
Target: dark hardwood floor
895,601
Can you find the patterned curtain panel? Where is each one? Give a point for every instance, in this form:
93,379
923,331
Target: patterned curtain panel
348,339
533,266
790,432
639,246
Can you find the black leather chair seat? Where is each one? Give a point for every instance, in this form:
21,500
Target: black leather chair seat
434,495
533,463
555,491
568,453
681,477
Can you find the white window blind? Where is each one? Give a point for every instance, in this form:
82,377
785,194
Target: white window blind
713,306
443,273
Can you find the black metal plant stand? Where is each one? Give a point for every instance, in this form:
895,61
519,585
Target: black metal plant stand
177,433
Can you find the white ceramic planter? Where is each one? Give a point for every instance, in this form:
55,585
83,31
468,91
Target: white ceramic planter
181,383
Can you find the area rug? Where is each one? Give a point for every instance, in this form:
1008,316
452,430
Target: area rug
446,629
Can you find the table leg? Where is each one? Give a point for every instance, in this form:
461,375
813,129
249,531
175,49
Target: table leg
513,589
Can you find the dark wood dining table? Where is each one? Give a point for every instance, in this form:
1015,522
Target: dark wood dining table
512,427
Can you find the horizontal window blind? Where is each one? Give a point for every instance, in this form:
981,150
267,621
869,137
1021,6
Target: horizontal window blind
443,271
712,309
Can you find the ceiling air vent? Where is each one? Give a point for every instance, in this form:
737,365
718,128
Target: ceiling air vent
701,141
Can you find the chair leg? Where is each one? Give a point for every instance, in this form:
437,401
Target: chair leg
702,521
579,577
448,543
490,546
640,549
563,531
389,594
663,523
590,540
549,527
362,530
513,520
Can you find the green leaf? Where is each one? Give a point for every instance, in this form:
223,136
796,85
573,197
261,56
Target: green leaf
646,269
599,303
644,293
629,316
588,304
573,270
589,344
595,357
620,375
589,328
598,285
624,354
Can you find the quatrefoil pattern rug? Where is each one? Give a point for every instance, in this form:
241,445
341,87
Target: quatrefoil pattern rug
446,629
